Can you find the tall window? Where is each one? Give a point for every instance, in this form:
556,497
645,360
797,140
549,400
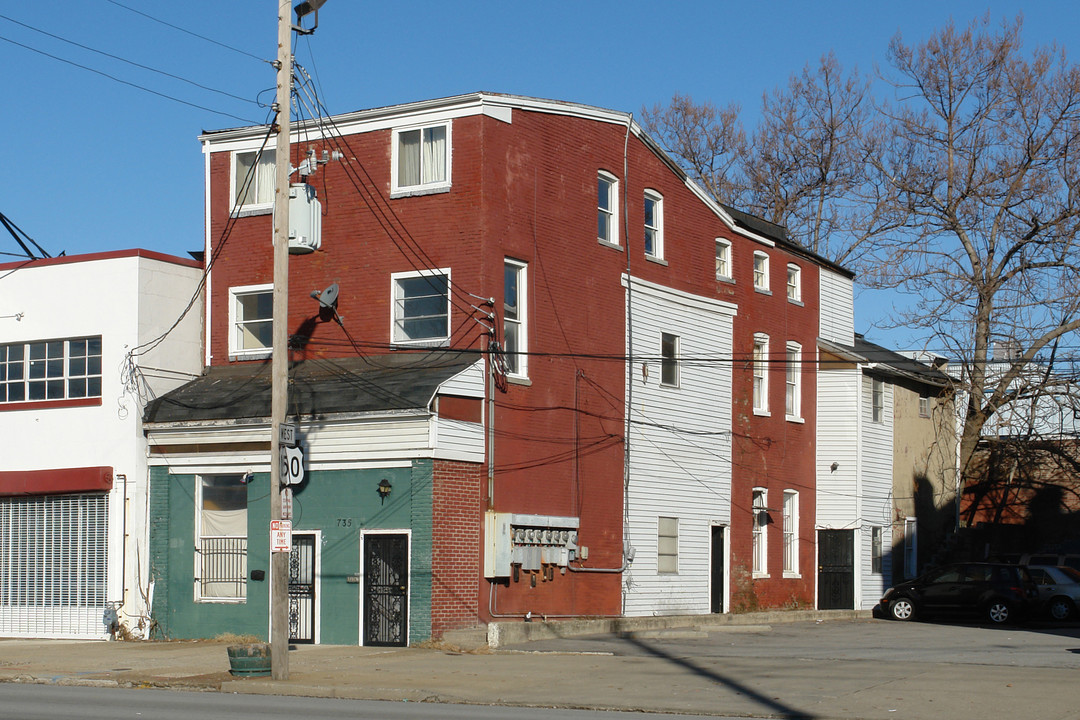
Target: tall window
877,400
422,158
794,283
607,208
759,538
515,335
667,545
791,532
50,370
669,359
793,385
421,307
251,318
723,259
875,549
761,271
911,548
654,224
924,406
761,373
221,531
253,179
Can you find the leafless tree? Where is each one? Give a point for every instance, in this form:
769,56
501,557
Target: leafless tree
982,165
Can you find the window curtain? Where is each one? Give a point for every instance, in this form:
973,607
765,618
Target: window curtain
408,158
434,164
264,179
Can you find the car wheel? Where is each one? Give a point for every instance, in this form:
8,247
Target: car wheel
998,612
902,609
1060,608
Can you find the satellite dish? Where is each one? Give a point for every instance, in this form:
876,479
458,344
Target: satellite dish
328,297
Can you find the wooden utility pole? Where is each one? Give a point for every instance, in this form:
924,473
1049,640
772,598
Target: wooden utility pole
279,364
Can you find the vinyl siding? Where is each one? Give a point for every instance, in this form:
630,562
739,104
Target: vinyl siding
837,322
837,441
680,445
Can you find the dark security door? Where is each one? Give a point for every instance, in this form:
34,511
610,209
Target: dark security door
836,569
386,589
717,573
302,589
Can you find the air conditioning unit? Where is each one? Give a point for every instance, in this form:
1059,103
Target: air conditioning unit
305,219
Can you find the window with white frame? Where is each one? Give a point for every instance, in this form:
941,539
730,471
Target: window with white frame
251,317
654,224
421,158
876,534
723,259
761,373
515,330
793,384
421,307
791,533
221,534
761,271
667,545
607,208
877,400
669,359
759,550
911,548
253,179
794,283
67,369
924,406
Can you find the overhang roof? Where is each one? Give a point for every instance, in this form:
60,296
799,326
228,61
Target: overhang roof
317,388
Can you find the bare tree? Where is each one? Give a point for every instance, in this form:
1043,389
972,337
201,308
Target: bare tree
708,142
982,163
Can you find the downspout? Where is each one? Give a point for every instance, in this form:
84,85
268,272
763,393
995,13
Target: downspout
490,389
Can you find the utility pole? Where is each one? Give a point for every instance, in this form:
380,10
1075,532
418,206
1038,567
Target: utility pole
279,364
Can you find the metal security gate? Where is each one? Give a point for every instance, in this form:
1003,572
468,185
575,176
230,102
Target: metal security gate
302,589
386,589
53,566
836,569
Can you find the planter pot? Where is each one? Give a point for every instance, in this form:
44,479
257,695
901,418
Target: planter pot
249,660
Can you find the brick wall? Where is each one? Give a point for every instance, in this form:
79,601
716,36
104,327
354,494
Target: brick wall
457,525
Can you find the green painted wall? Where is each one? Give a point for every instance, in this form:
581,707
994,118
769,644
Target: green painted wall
339,503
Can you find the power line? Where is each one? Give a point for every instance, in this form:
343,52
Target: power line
189,32
129,62
126,82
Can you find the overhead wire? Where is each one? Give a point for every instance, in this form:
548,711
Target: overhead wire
188,32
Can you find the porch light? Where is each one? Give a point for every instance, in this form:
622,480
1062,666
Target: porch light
384,489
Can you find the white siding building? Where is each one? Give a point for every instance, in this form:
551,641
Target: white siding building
85,341
679,491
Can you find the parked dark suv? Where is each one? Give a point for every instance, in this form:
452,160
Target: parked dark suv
997,592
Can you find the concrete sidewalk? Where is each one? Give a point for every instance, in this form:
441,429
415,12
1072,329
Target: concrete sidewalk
751,687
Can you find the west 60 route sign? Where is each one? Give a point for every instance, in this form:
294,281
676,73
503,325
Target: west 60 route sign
292,465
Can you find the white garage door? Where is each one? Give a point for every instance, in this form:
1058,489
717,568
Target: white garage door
53,566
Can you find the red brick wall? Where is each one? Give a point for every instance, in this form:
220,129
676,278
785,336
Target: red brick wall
457,524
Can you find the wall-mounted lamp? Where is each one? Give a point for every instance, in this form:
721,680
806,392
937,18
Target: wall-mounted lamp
384,489
834,466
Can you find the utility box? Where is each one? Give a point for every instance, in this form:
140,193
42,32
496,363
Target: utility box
528,542
305,219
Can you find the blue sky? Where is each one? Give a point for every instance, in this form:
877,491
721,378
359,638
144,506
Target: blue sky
93,164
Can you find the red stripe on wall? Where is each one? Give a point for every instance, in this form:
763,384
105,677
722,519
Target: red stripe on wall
55,482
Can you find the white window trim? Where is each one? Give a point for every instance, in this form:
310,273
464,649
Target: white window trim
675,359
911,547
658,242
676,538
421,189
764,285
426,342
794,290
793,376
234,294
762,364
250,208
523,317
614,213
925,406
726,244
877,549
875,417
791,536
761,531
199,597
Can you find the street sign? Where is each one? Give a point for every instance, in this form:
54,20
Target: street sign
287,434
286,503
280,536
292,465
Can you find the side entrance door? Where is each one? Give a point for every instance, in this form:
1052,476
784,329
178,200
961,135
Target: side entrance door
836,569
716,581
302,588
386,589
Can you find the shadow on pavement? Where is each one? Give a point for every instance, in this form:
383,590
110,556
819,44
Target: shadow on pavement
774,706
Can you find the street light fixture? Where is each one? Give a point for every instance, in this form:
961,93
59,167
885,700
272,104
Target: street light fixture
308,7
